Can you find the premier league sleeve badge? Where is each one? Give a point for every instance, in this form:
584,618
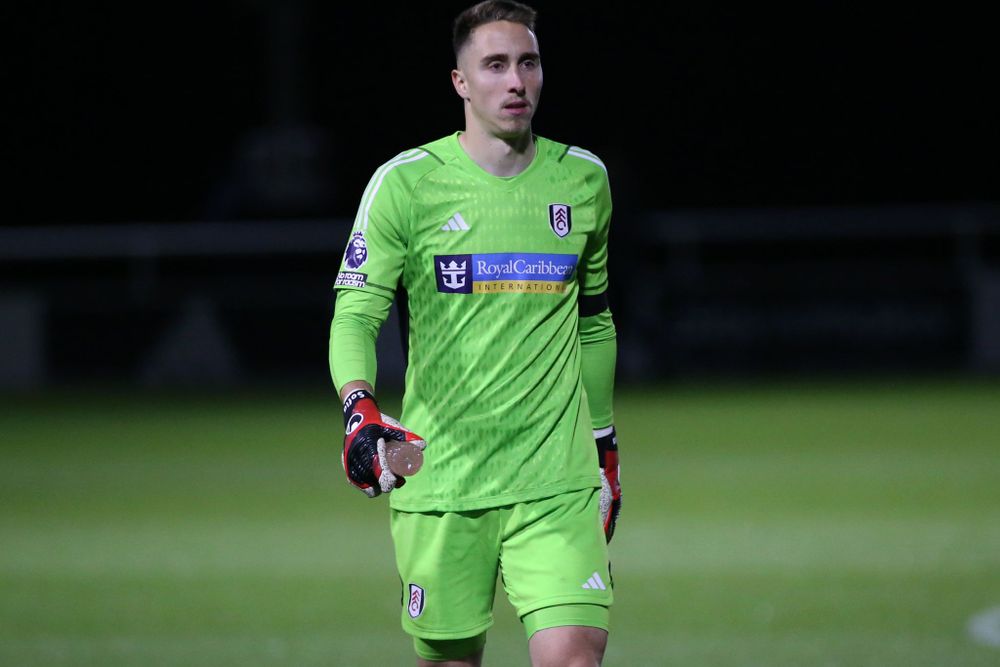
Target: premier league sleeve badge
357,251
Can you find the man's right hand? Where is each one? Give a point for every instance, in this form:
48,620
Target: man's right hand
366,432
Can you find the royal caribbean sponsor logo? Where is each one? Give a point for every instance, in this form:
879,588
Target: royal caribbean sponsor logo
351,279
490,273
454,273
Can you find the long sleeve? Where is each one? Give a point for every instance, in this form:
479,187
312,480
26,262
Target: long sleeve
599,349
357,318
598,342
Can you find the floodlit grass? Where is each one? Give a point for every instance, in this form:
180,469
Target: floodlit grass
786,524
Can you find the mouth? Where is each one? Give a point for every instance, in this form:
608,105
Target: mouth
517,107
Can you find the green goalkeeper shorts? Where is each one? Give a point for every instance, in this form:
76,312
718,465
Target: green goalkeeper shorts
549,553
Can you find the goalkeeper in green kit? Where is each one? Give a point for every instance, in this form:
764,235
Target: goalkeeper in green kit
496,240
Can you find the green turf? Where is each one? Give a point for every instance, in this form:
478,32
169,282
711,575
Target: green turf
851,523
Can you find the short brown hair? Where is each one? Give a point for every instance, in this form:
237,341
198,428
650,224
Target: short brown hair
488,12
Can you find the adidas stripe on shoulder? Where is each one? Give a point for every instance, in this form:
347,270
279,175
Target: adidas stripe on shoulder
584,154
361,221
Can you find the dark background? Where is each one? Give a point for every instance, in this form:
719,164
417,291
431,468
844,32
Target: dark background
141,111
819,145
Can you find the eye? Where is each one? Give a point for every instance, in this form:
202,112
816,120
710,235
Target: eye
496,66
529,64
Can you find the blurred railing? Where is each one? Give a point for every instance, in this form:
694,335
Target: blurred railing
178,239
813,290
169,303
696,291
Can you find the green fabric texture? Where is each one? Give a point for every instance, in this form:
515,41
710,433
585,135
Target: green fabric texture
352,336
492,268
553,553
599,348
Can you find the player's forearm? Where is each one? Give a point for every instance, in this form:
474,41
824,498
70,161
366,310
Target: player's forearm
352,352
599,350
356,322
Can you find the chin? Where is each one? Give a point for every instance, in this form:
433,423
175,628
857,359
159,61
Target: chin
513,130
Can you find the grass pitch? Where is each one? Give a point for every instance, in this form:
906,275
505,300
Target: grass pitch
851,523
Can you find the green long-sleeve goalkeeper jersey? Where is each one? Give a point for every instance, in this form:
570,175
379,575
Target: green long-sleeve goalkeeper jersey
492,268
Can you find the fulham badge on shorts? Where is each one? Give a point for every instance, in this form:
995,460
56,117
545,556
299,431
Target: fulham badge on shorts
560,219
416,604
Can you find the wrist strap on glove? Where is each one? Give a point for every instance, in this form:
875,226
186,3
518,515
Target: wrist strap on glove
607,441
352,400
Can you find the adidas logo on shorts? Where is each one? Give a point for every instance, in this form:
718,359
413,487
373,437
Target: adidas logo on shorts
595,583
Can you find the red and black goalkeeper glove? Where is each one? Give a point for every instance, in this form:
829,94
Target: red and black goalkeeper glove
611,489
366,431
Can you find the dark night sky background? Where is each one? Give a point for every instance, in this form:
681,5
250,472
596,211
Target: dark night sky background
137,112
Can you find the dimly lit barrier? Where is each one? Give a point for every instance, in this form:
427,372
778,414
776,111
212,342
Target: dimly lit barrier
891,288
913,288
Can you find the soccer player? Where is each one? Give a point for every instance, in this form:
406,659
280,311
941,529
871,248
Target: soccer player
497,241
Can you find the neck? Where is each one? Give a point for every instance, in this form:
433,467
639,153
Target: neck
497,156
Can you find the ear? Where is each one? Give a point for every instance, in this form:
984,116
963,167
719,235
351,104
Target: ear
461,86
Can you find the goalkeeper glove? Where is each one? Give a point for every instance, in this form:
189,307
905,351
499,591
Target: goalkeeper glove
366,432
611,489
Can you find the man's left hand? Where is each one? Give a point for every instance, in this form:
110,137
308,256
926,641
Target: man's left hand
611,488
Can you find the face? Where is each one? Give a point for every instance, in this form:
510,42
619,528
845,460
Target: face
500,76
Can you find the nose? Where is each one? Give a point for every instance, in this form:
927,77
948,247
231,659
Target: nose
515,83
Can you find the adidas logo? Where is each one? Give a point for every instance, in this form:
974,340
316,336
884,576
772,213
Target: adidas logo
595,583
455,224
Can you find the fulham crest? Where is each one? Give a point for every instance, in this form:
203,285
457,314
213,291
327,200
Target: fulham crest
560,219
415,606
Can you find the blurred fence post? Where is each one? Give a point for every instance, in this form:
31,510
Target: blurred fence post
985,349
22,341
